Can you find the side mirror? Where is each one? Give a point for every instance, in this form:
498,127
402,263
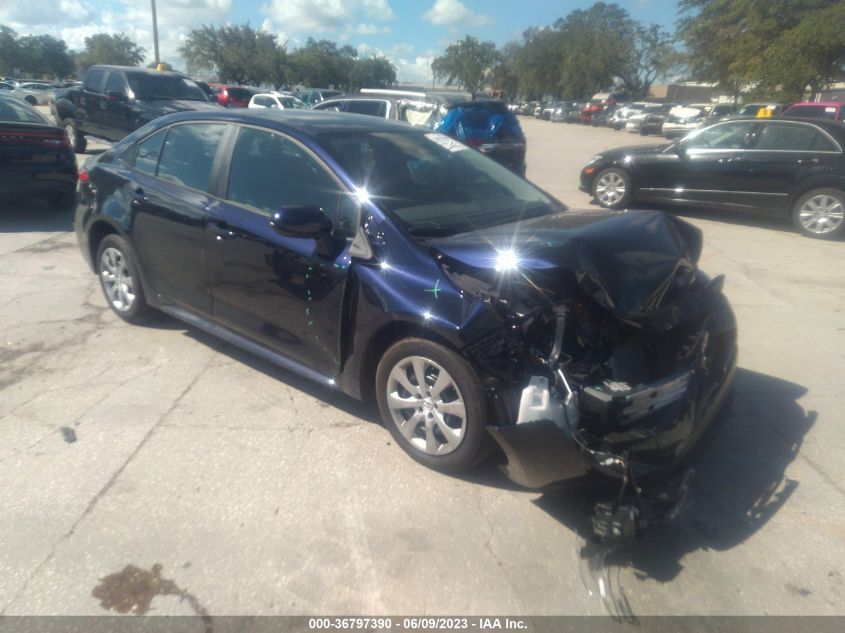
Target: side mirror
307,222
301,221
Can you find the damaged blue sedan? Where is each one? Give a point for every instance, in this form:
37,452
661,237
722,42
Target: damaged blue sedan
395,264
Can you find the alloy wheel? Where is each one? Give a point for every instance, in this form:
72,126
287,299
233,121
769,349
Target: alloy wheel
117,279
610,188
821,214
426,405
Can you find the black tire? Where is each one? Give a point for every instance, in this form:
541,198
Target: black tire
62,199
470,449
138,309
77,141
821,228
31,100
622,198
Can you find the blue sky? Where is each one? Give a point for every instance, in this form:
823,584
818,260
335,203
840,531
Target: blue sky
409,32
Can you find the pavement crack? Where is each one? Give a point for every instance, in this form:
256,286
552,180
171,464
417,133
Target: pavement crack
108,485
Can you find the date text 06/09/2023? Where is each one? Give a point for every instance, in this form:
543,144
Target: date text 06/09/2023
417,623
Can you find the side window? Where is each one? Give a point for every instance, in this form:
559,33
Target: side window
736,135
270,171
116,83
822,144
94,80
374,108
146,158
188,154
781,136
330,106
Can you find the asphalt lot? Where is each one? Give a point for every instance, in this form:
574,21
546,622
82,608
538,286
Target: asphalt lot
257,492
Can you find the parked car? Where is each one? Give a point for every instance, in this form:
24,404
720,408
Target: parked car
115,100
649,120
34,93
233,96
831,110
6,87
791,168
681,120
573,115
486,125
35,156
390,263
312,96
562,110
210,91
548,110
621,115
277,100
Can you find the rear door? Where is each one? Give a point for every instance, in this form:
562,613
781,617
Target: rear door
784,154
92,102
169,198
278,290
116,115
705,167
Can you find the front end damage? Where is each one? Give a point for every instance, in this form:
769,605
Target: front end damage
613,355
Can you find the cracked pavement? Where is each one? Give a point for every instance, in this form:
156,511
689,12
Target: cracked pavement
261,493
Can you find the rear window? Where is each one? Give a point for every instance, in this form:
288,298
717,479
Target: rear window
371,107
155,86
94,80
239,93
815,112
20,112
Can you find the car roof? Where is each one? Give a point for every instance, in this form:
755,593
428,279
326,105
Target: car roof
308,122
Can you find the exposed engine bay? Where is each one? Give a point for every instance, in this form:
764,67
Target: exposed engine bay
599,366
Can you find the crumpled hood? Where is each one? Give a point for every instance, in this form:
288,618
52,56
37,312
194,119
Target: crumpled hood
625,261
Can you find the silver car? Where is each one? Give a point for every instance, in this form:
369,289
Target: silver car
34,93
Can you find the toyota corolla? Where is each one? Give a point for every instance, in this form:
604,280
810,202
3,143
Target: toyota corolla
394,263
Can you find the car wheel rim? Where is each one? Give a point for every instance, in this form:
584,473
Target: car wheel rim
821,214
117,280
426,405
610,188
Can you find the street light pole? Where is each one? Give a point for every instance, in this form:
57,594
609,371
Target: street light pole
155,31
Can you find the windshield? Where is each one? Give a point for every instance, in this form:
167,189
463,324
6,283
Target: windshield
150,86
20,112
434,185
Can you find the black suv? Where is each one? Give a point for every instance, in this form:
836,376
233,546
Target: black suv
116,100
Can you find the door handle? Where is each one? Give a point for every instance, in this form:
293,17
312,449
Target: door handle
808,161
139,197
222,231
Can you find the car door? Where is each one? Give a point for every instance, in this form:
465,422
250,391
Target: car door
702,168
279,291
92,102
116,117
169,197
784,154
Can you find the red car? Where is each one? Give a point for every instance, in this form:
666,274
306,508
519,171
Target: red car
831,110
233,96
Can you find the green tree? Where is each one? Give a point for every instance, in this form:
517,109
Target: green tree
595,48
45,55
505,78
778,46
106,48
538,62
469,62
372,72
10,50
321,64
649,53
236,54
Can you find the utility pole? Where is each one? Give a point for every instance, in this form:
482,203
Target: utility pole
155,31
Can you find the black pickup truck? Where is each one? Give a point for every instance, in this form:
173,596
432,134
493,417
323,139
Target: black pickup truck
116,100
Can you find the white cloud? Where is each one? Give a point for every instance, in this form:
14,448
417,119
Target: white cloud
370,29
326,16
74,21
454,12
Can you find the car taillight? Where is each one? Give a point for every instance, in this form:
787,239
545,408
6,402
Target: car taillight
83,176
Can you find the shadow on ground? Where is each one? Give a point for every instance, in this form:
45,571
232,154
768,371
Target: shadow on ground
739,485
24,215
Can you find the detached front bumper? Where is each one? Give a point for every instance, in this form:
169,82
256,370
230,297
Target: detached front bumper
647,430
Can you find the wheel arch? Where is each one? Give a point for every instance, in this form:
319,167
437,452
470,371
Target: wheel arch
381,340
826,181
